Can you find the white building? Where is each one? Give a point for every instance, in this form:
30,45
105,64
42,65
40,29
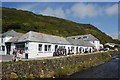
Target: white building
89,38
111,44
4,38
43,45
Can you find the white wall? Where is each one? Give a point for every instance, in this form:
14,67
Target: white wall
5,39
33,49
34,52
96,44
1,50
12,47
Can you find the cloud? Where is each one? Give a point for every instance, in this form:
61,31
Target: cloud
111,10
58,12
119,35
78,10
114,36
82,10
28,7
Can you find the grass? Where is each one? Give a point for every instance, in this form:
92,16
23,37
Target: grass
80,66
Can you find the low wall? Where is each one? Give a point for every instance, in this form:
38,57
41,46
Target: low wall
53,67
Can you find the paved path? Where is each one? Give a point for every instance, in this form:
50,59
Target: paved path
5,58
8,58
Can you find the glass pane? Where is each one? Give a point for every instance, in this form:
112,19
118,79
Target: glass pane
40,47
45,47
49,47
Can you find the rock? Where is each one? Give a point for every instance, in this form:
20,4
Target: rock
13,75
31,75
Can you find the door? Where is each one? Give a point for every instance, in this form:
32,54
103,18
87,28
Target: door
56,46
8,47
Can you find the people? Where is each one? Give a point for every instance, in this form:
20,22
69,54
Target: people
15,52
21,53
68,51
14,58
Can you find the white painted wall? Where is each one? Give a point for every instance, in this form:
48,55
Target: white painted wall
96,44
33,49
12,47
5,39
1,50
34,52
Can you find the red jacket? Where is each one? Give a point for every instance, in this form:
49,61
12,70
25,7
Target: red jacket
21,51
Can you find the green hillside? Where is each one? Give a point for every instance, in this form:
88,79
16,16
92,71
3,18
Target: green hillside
24,21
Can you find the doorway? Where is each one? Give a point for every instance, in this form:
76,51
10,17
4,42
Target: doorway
8,47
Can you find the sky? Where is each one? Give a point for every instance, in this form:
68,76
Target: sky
103,15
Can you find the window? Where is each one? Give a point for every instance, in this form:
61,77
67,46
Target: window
40,47
47,47
72,48
26,48
3,48
20,46
56,46
76,48
61,47
79,37
84,37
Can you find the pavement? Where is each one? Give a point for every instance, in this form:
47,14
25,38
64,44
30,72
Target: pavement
8,58
5,58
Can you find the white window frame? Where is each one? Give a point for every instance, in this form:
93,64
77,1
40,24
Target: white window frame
40,47
49,49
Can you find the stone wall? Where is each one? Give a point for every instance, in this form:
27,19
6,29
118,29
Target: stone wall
53,67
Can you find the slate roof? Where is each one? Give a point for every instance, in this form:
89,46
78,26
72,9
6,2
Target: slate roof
11,33
45,38
40,37
79,42
89,37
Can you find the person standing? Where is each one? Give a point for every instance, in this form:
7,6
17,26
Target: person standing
15,52
21,53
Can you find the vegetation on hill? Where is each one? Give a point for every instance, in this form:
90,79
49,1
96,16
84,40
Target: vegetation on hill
24,21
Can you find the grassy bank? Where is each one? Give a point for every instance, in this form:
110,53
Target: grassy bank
83,65
50,68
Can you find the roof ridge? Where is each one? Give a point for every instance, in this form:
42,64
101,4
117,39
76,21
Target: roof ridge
45,34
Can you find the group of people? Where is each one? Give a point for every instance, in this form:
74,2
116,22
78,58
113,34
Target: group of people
60,52
63,52
17,54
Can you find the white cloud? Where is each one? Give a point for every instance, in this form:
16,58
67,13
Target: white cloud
82,10
85,10
119,35
111,10
58,12
28,7
79,10
114,36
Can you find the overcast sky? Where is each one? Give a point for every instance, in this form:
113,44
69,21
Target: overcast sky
103,15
